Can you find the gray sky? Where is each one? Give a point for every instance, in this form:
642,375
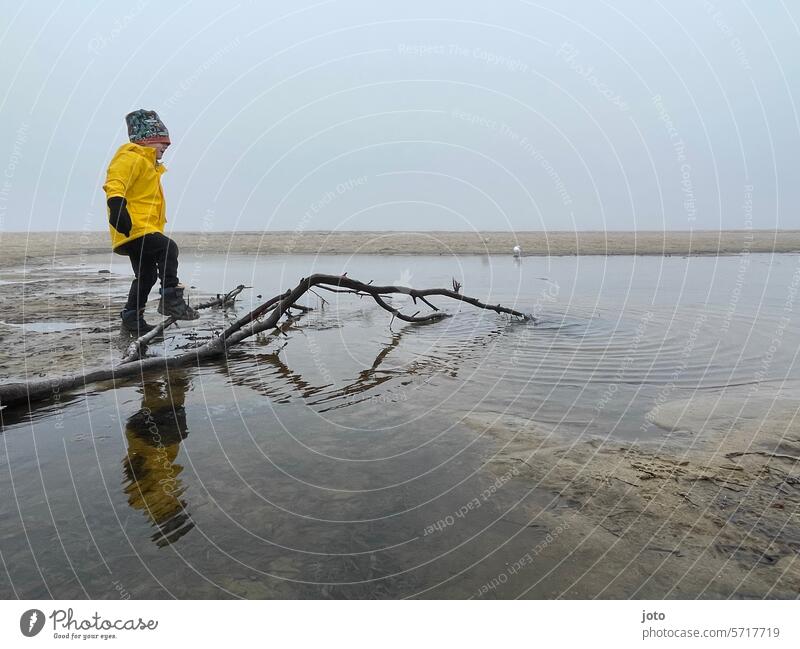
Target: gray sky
631,114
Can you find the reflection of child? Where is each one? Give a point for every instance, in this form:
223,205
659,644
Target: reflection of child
137,215
154,435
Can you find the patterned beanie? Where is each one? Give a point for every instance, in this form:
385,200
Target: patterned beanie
145,127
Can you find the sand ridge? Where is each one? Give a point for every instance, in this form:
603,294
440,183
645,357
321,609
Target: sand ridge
41,247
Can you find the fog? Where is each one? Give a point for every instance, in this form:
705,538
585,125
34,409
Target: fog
346,115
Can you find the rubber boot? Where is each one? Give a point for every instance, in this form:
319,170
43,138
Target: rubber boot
173,304
134,323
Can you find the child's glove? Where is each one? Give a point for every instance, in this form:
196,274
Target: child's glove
118,215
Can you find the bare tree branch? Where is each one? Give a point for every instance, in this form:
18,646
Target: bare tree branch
264,317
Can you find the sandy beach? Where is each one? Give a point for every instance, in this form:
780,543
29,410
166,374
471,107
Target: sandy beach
41,247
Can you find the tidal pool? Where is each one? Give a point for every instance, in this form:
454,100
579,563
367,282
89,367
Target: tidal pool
335,461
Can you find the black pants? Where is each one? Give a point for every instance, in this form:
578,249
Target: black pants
153,257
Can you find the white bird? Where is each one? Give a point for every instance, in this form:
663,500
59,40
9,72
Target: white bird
517,251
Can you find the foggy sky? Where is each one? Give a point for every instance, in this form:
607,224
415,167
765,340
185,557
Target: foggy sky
346,115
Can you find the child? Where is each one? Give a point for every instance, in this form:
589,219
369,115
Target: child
137,215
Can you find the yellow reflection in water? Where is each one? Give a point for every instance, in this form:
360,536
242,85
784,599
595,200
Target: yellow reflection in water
152,476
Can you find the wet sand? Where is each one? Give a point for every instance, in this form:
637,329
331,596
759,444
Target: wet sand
42,247
711,512
76,311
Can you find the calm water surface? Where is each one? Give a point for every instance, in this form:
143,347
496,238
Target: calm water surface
312,466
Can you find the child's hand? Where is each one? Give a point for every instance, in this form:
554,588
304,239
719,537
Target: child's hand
118,216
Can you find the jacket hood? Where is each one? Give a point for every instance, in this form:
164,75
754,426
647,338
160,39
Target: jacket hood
147,152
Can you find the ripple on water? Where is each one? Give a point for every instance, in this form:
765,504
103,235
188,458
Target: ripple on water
569,359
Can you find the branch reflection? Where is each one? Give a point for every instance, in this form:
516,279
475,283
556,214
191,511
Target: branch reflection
276,380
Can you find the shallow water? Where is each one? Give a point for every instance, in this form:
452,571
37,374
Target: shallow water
313,466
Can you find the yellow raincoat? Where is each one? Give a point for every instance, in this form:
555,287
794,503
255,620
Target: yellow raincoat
134,174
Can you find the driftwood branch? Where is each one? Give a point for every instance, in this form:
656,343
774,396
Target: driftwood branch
265,317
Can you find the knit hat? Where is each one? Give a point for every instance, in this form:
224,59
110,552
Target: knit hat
145,127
